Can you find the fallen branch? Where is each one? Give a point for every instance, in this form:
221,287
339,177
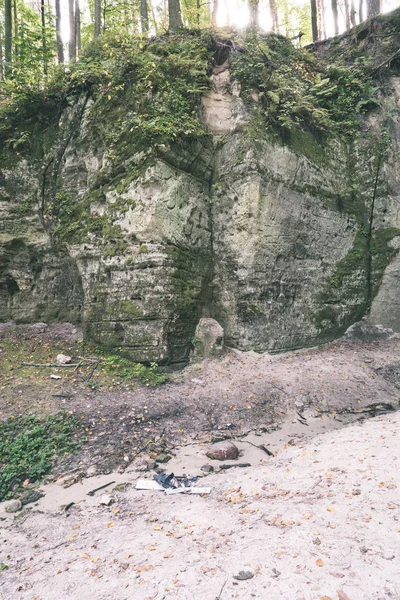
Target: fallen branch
75,365
385,62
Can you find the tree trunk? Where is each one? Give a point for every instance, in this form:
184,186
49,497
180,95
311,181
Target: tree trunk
60,47
214,13
198,16
361,11
274,16
97,18
347,14
15,27
352,14
335,15
144,17
44,44
72,31
253,8
1,52
373,8
314,20
78,28
323,20
8,36
174,15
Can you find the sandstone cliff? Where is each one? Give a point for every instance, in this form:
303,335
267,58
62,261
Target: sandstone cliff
285,239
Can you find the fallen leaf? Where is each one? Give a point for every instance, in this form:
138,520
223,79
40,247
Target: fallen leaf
319,562
330,509
342,595
110,524
151,548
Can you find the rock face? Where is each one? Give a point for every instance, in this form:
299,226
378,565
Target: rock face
264,237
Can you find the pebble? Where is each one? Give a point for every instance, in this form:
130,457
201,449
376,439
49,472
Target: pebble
12,506
223,451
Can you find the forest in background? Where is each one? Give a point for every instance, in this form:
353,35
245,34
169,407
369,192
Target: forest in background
36,36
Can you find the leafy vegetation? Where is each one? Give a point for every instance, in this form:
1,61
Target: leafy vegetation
123,368
297,91
29,446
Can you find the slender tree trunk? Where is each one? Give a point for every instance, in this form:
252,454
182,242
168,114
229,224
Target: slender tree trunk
1,51
97,18
286,17
323,20
78,28
104,15
174,15
319,19
198,15
144,17
153,16
214,13
335,15
15,27
60,47
44,44
352,14
361,11
72,31
8,36
253,9
314,20
373,8
347,14
274,16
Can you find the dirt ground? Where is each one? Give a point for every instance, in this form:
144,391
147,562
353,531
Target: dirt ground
319,519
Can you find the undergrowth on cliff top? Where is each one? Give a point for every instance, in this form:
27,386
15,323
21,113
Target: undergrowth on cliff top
149,91
297,90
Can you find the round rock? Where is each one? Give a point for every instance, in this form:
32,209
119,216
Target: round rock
223,451
13,506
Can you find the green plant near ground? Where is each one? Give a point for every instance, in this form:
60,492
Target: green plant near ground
126,369
29,446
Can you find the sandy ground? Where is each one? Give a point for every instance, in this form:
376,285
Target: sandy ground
319,520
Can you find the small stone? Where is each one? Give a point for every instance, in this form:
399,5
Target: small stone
163,458
12,506
31,496
207,468
243,575
146,465
91,471
126,459
63,359
223,451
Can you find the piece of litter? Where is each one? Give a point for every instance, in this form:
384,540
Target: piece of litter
55,376
150,484
106,500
